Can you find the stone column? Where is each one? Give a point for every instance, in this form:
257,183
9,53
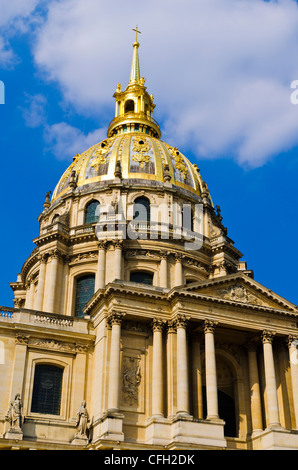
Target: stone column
118,260
197,376
182,367
255,394
157,375
52,275
29,294
270,379
163,270
41,284
210,367
178,270
100,279
293,353
115,320
171,366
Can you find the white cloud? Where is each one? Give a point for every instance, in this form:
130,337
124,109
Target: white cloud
13,15
65,141
220,70
34,113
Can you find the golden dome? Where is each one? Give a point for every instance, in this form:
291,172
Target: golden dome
133,150
132,156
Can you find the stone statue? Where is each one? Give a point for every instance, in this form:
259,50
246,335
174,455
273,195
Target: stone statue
15,416
82,421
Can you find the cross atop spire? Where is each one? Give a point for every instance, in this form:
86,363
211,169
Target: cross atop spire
135,67
137,32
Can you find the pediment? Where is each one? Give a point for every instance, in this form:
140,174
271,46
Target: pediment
242,289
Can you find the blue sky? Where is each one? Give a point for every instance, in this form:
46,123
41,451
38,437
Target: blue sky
220,72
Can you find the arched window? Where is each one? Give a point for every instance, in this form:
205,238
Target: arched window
141,210
84,291
47,388
129,106
92,213
142,277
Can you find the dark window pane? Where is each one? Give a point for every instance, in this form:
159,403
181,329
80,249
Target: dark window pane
84,291
142,209
47,388
142,278
92,213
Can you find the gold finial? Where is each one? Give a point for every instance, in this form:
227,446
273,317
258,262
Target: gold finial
137,32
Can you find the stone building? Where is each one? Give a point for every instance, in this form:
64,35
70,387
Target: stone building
135,324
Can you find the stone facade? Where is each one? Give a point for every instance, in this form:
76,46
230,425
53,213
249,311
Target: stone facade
203,357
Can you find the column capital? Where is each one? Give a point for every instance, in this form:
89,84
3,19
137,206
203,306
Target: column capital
209,326
164,255
181,321
292,339
118,244
157,324
55,254
268,336
115,318
102,245
171,326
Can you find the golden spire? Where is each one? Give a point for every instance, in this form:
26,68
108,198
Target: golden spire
135,67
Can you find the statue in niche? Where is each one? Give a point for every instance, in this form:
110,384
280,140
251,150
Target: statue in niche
82,422
15,415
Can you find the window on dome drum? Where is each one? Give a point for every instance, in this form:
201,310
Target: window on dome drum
142,277
84,291
129,106
141,210
92,213
187,218
47,388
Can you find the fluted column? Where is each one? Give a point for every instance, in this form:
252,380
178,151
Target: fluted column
118,260
270,379
163,270
210,367
293,353
41,284
157,369
178,270
255,395
100,278
115,320
182,367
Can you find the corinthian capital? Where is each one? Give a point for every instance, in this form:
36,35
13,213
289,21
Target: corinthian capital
267,336
116,318
157,324
209,326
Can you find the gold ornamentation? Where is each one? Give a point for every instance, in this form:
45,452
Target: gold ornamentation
179,161
102,153
69,170
141,146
